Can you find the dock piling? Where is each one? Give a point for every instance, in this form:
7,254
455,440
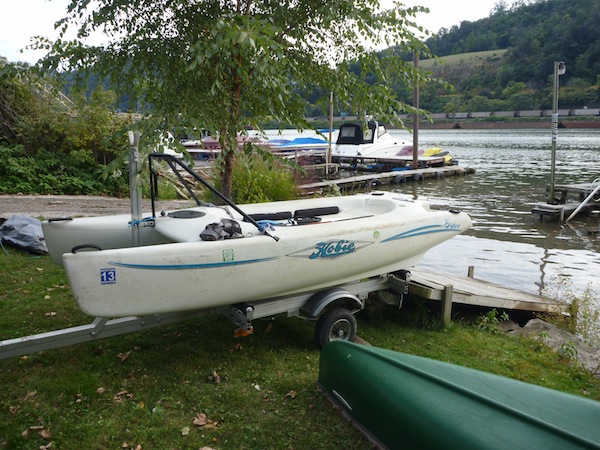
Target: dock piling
447,304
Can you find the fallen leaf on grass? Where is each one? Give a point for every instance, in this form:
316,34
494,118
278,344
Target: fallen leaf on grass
101,390
200,420
236,348
42,431
203,421
29,395
50,314
215,377
185,431
292,394
122,395
123,356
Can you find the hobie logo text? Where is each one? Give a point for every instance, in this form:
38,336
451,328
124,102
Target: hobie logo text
333,249
451,225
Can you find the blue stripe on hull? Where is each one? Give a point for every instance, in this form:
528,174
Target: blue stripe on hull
430,229
190,266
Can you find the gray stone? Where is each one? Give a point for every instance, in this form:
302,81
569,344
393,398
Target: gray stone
559,340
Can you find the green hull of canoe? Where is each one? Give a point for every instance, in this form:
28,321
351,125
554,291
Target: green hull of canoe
408,402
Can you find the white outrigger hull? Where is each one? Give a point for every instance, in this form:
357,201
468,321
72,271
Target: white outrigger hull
370,235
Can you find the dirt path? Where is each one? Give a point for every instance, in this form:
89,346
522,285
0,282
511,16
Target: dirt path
51,206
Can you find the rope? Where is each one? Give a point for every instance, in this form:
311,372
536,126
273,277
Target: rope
137,223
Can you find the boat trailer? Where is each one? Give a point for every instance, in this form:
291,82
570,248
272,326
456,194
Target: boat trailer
333,309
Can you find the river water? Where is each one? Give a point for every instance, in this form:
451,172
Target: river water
508,244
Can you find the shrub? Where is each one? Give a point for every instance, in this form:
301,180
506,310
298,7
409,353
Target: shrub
259,179
51,173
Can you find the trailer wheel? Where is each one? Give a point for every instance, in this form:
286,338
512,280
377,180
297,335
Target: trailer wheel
337,324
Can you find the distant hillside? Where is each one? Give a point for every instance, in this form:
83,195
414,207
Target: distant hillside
506,61
536,34
456,68
473,58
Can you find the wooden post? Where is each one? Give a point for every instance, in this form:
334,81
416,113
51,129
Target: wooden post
471,271
447,304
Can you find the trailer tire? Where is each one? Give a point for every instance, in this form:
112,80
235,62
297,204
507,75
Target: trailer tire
337,324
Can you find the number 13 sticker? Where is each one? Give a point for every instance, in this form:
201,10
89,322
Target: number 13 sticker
108,276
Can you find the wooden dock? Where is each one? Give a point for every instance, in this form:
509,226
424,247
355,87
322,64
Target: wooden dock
564,208
390,177
471,291
560,211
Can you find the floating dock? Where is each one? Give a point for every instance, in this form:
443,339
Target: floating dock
564,209
396,177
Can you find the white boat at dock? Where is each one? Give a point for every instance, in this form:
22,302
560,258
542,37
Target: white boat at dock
367,147
210,256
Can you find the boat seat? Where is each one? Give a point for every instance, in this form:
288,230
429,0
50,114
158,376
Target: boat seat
312,212
282,215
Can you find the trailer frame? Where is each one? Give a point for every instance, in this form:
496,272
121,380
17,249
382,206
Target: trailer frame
309,305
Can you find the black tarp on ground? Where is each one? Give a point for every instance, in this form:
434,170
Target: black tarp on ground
24,232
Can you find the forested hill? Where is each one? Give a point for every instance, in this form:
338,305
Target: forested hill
536,34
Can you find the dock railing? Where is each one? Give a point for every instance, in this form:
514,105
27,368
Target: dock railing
596,182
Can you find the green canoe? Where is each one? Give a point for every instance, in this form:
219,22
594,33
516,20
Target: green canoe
408,402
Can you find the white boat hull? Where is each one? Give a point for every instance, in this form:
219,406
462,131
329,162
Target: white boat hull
105,232
371,235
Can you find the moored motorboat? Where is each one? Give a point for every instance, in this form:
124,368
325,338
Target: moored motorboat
314,146
373,144
409,402
210,256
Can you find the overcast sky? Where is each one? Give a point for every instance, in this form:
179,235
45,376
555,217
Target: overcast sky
20,20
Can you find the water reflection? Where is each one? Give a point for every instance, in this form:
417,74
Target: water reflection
508,244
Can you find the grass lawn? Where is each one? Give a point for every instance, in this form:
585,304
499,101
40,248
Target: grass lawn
193,385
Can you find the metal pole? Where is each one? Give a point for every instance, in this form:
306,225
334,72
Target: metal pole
135,192
559,69
416,118
328,156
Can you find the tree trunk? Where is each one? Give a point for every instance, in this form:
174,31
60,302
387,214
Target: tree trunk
227,173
